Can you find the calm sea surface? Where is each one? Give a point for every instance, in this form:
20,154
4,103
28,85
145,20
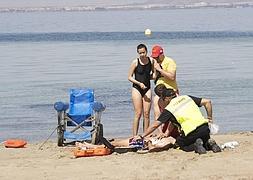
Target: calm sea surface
44,54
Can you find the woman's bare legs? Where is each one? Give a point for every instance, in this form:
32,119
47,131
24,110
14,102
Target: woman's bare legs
137,103
146,100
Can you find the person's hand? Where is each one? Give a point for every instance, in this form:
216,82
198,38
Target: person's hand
154,61
142,86
157,67
210,119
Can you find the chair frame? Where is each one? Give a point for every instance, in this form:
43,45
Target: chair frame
63,118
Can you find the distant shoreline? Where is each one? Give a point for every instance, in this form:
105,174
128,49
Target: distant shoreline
141,6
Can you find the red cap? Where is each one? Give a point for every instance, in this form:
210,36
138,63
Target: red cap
156,51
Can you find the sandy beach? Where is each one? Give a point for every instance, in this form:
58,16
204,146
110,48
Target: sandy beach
52,162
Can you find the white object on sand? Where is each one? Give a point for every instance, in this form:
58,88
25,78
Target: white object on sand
230,144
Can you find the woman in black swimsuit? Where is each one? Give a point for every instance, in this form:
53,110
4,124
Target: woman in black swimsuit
140,73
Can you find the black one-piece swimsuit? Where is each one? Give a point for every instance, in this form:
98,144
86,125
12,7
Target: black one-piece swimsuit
142,74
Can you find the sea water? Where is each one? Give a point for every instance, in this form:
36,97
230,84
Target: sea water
44,54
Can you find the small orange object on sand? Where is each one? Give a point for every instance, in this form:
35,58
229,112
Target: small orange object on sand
15,143
91,152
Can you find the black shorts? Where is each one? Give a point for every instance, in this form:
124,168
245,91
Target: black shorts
186,142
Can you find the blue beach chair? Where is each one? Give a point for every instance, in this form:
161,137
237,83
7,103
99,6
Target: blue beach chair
80,120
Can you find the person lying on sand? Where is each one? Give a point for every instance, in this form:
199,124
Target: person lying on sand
151,144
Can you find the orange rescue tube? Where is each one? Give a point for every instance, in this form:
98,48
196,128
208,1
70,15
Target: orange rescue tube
91,152
15,143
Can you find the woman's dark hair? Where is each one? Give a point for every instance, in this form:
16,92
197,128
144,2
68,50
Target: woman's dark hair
140,46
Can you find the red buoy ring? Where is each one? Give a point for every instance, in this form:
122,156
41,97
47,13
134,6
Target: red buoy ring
15,143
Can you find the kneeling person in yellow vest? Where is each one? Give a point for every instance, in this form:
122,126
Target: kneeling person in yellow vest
183,111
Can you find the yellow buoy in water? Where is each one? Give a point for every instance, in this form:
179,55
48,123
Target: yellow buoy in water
148,32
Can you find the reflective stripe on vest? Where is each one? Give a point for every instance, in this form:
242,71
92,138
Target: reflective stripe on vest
187,113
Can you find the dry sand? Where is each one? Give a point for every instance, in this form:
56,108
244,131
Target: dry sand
54,162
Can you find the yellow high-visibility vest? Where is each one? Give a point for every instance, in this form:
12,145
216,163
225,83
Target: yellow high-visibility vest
187,113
